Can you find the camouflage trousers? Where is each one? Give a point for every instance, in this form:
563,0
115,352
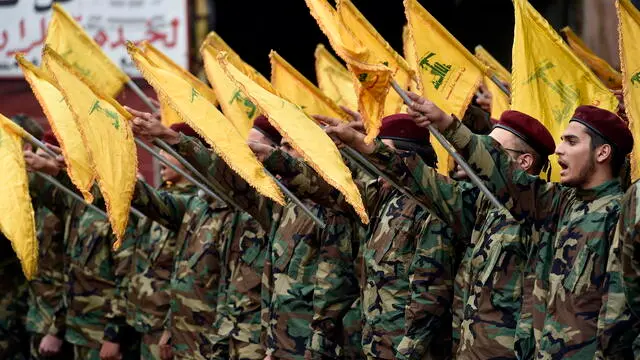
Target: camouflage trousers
352,323
13,309
85,353
66,352
149,348
241,350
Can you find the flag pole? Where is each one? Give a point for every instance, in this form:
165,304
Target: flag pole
452,151
67,191
33,140
500,85
214,187
297,201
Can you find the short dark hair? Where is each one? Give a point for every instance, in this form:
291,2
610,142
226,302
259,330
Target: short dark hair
423,149
617,159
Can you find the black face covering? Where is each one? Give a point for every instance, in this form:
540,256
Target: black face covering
422,148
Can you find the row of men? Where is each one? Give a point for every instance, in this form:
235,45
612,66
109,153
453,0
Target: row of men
442,272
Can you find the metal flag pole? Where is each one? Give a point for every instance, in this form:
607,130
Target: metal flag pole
214,186
452,151
297,201
499,83
67,191
33,140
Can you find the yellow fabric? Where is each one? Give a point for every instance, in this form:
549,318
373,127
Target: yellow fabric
408,48
304,135
236,107
17,221
500,101
63,126
372,79
169,117
548,81
629,30
107,136
449,75
494,65
334,79
209,122
68,39
214,40
294,87
379,49
607,74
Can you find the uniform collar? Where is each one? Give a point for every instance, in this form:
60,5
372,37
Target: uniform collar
610,187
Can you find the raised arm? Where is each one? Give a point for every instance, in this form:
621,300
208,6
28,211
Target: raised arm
165,208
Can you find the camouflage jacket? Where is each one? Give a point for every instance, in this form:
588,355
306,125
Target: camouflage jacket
408,269
13,302
567,312
196,274
150,270
46,290
488,283
626,246
290,295
93,311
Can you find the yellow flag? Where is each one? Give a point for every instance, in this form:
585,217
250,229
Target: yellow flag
549,82
494,65
334,79
500,101
17,221
629,29
372,79
169,117
294,87
449,74
216,42
209,122
607,74
69,40
63,126
107,136
408,48
236,107
303,134
379,49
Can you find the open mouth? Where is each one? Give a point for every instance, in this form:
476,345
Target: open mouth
563,166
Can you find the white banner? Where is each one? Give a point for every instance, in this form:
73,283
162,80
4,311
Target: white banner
164,23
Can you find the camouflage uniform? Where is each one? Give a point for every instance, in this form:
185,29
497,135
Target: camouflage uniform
195,278
150,270
575,305
408,270
291,295
625,248
13,304
47,310
94,313
488,281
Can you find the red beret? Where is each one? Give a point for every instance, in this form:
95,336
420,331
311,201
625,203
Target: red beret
188,131
606,124
261,123
402,127
529,129
50,138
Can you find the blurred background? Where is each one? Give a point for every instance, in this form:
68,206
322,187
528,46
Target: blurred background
253,28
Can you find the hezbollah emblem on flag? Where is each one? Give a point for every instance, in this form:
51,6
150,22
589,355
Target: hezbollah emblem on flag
635,79
437,69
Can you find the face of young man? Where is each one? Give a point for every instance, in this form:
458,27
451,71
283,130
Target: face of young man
513,146
168,174
575,156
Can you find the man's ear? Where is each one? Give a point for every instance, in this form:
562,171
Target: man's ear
603,152
526,161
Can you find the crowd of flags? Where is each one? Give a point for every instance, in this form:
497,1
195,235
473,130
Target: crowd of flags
77,83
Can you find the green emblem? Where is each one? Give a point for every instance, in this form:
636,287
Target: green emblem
249,106
635,79
194,94
438,69
107,112
569,94
81,70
